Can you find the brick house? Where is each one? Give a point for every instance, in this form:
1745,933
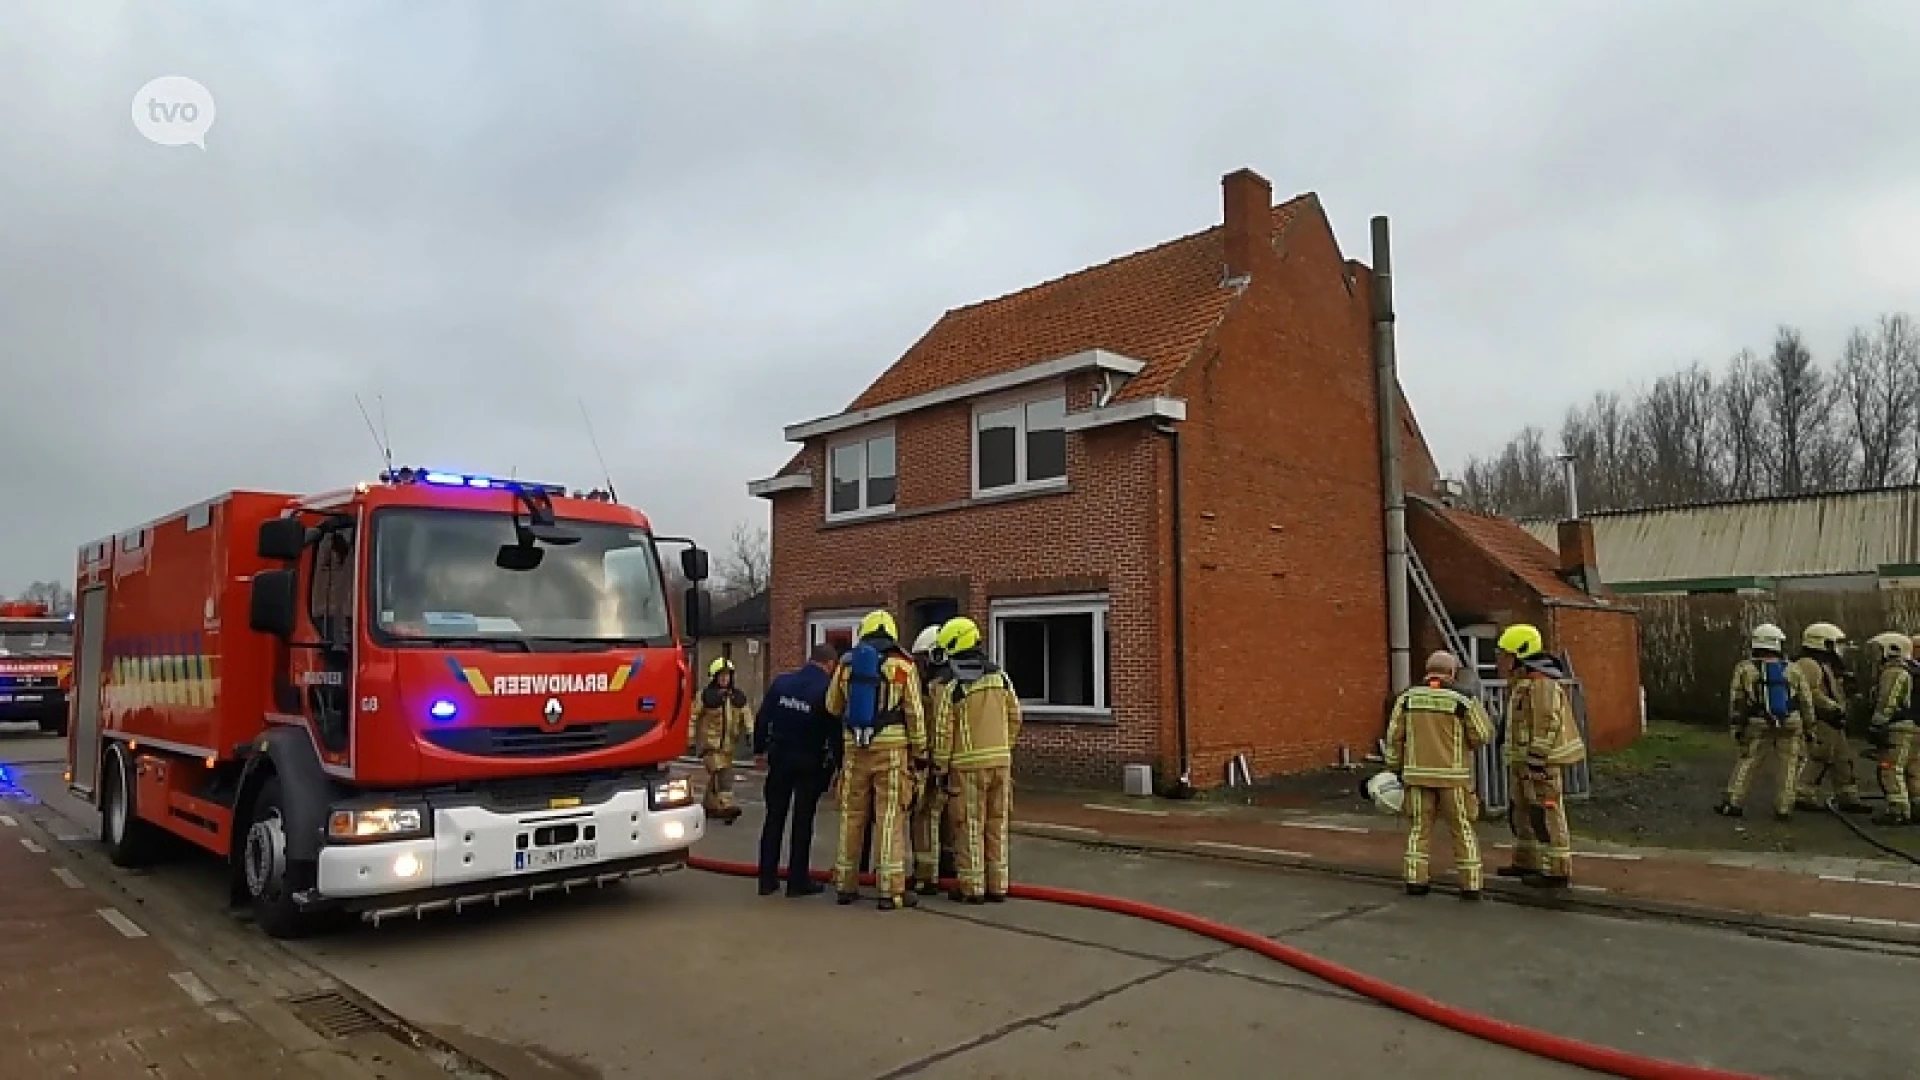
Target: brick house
1192,427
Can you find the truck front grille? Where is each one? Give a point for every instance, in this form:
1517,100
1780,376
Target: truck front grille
529,741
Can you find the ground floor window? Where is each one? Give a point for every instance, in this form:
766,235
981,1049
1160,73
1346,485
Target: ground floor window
1056,652
836,628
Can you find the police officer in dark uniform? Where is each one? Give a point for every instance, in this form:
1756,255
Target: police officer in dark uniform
798,742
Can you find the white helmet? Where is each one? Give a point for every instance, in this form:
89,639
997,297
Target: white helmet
1769,638
1893,644
1386,793
923,644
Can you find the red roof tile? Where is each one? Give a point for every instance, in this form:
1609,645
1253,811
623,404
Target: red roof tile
1511,546
1156,305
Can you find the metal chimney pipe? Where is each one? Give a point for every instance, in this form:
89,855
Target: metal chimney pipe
1570,477
1387,383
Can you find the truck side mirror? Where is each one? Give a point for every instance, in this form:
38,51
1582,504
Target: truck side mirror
693,563
272,601
282,539
693,619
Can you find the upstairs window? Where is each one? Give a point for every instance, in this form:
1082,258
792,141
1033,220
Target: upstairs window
1020,443
861,476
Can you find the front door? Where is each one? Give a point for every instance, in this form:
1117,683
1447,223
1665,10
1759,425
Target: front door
323,662
933,611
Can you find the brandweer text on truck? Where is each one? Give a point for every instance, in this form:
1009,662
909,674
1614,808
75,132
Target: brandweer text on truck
36,666
434,690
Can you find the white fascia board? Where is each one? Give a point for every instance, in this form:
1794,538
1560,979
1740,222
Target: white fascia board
1156,408
773,485
1090,360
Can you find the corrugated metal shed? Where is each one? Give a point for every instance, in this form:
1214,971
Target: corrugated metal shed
1853,532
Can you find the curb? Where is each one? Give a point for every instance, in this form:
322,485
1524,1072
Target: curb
249,974
1814,931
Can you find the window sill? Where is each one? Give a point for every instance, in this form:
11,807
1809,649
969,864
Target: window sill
1061,714
1010,490
861,515
995,499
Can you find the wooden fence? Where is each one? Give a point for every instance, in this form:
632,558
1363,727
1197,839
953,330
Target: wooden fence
1689,644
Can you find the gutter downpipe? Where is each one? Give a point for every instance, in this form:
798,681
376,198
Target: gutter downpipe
1183,789
1386,379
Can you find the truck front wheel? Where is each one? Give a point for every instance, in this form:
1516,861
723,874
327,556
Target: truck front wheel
272,878
54,723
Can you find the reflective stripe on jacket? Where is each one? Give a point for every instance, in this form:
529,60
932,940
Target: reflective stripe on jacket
1432,735
978,724
1541,729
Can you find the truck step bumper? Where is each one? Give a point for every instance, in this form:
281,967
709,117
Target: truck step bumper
457,898
475,850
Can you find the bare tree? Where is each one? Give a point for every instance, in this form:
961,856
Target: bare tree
1780,425
1876,383
56,596
747,566
1673,420
1797,397
1742,426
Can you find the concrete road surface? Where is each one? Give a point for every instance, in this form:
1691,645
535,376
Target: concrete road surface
694,973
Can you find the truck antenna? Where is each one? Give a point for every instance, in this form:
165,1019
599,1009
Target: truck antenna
604,471
386,451
386,433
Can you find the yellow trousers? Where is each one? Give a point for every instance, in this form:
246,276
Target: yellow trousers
982,810
1537,812
719,793
929,815
1760,738
1425,806
873,786
1899,773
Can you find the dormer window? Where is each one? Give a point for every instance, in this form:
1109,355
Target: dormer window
1020,442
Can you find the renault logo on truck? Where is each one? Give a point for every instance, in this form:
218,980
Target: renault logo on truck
553,711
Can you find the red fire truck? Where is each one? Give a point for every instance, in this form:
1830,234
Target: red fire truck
36,666
432,691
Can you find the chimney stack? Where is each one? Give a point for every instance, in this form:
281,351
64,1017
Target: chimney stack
1249,218
1579,563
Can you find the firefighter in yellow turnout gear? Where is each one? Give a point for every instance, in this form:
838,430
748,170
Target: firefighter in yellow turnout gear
1769,708
930,809
1431,737
1828,758
1543,738
1892,728
975,731
877,777
720,721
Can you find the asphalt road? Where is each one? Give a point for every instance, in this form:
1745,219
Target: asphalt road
692,973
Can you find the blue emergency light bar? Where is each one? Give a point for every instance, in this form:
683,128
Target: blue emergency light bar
440,478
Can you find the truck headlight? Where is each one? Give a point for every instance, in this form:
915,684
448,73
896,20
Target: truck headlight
378,823
668,794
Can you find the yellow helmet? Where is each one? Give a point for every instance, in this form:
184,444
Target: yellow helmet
959,635
720,664
876,624
1823,635
1522,640
1768,638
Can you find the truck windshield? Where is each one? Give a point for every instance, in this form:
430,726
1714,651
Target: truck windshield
41,641
435,579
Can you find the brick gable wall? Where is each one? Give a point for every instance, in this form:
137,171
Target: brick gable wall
1286,557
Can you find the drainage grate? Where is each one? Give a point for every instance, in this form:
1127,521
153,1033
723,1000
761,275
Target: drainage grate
335,1015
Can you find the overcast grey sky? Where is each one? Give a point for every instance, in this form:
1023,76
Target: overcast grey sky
714,218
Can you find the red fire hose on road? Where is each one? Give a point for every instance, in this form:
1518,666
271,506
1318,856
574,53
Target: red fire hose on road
1526,1040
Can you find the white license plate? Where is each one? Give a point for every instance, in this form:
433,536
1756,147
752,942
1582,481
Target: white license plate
553,857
